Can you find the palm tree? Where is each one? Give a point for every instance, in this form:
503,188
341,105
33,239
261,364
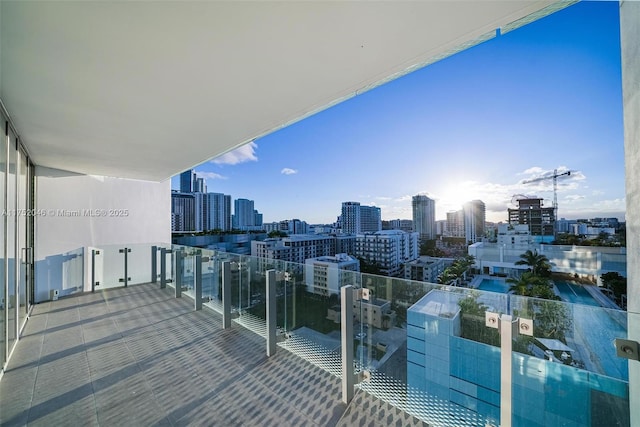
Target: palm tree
538,264
531,285
520,286
448,276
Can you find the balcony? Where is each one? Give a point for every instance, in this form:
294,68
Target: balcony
204,337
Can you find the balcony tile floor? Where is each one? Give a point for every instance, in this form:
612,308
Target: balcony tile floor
137,356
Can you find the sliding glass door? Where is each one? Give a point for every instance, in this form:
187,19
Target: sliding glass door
16,239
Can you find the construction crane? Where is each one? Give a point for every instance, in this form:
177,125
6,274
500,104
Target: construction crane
555,177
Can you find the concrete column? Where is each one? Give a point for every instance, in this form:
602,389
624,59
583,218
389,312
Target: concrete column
630,55
271,313
226,294
346,330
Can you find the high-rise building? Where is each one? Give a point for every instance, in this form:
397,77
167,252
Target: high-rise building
243,214
370,219
541,220
350,218
217,211
257,219
199,184
474,220
401,224
357,218
455,224
183,211
186,181
389,249
424,216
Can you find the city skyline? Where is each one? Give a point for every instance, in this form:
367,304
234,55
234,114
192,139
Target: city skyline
473,126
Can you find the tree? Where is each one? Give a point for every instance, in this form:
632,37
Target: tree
551,319
472,319
457,271
531,285
615,282
277,233
428,248
538,264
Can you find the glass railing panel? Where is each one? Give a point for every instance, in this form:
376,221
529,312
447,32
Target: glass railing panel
212,280
110,266
308,305
453,361
186,270
568,373
248,294
139,262
391,331
72,272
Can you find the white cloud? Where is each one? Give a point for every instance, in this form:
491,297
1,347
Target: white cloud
288,171
245,153
535,170
210,175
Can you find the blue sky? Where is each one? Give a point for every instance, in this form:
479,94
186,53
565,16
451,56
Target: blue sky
473,126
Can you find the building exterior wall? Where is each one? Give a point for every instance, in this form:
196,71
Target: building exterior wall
424,269
294,249
389,249
183,206
142,214
326,275
243,216
350,217
424,216
370,219
587,261
541,220
455,224
474,220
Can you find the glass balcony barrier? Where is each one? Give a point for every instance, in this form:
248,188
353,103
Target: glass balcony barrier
113,266
436,352
428,350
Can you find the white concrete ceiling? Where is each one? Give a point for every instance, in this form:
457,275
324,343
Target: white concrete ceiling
148,89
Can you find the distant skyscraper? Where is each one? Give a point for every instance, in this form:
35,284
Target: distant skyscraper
356,218
199,185
424,217
186,181
350,217
474,220
217,211
243,214
541,220
183,212
370,219
455,224
257,218
245,217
